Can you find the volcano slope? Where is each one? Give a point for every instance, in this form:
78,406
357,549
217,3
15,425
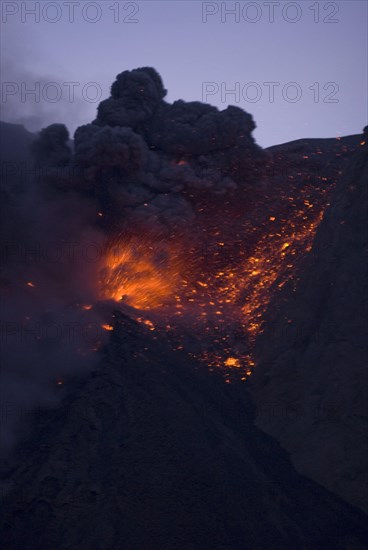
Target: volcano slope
310,385
152,452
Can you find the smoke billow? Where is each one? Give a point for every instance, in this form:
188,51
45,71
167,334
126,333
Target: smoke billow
51,148
141,149
141,168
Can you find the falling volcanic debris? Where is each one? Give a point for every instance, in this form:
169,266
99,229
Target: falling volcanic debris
173,213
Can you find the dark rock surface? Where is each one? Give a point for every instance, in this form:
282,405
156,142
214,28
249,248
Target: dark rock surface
310,386
153,453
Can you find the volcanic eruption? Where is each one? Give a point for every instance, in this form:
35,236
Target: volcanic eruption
208,226
174,212
161,230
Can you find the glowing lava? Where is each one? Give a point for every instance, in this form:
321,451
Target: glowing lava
107,327
272,264
144,273
232,362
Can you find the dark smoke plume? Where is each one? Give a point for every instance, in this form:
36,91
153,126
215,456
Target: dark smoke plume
140,148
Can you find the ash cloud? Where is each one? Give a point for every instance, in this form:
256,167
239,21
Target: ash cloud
140,148
143,164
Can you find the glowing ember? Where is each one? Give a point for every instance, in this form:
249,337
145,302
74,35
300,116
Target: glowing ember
272,264
107,327
147,322
232,362
32,285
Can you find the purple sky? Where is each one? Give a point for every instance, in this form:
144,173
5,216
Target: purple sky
172,36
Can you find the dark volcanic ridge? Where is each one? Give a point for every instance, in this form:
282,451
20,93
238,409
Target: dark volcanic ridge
153,453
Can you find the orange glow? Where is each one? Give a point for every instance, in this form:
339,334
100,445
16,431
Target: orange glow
267,268
243,293
146,322
232,362
107,327
143,273
32,285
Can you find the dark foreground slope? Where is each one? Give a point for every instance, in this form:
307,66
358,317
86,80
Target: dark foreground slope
310,386
153,454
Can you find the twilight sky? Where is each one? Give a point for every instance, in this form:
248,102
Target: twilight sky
318,63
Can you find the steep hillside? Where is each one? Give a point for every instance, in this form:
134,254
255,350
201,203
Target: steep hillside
152,453
310,385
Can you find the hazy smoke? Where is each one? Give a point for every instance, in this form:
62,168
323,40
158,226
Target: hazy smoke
50,249
35,100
